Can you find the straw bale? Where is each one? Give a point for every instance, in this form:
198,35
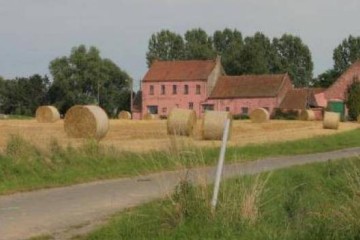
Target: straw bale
181,122
259,115
307,115
331,120
47,114
213,124
124,115
3,116
86,121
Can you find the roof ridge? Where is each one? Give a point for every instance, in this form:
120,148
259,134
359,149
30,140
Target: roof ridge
255,75
180,70
282,84
357,62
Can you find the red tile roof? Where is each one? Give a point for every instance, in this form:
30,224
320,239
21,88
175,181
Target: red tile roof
180,70
299,98
248,86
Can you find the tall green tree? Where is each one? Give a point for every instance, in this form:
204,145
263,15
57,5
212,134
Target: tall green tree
23,95
326,78
165,45
295,58
228,44
198,45
256,56
85,78
346,53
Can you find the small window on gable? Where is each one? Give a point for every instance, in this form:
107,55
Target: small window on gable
151,92
162,89
227,109
174,89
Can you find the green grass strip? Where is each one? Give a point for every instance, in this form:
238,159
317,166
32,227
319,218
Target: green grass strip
24,167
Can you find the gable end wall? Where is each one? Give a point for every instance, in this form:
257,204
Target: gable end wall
338,89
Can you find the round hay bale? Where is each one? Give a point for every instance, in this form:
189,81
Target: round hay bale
149,116
124,115
181,122
47,114
86,121
358,119
213,124
331,120
259,115
307,115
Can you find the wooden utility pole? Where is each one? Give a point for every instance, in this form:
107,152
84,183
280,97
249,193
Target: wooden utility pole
131,96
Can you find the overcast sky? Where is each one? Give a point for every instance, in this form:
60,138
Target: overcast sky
33,32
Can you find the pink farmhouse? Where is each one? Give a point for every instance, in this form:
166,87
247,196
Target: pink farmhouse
183,84
203,85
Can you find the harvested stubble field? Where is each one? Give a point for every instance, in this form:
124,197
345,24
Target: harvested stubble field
140,136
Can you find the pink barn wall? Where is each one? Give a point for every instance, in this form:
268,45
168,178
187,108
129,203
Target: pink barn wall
136,115
321,100
235,105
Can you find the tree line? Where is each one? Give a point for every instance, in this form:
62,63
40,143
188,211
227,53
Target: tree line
84,77
257,54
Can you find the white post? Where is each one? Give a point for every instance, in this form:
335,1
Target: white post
220,165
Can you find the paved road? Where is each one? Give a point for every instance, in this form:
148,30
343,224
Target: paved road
63,212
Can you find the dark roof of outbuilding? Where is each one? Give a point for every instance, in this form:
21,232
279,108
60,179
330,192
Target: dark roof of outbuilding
299,98
248,86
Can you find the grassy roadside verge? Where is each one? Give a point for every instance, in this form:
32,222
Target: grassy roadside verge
317,201
24,167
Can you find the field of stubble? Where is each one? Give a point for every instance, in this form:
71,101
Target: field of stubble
140,136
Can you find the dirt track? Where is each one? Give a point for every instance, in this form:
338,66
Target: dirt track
151,135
